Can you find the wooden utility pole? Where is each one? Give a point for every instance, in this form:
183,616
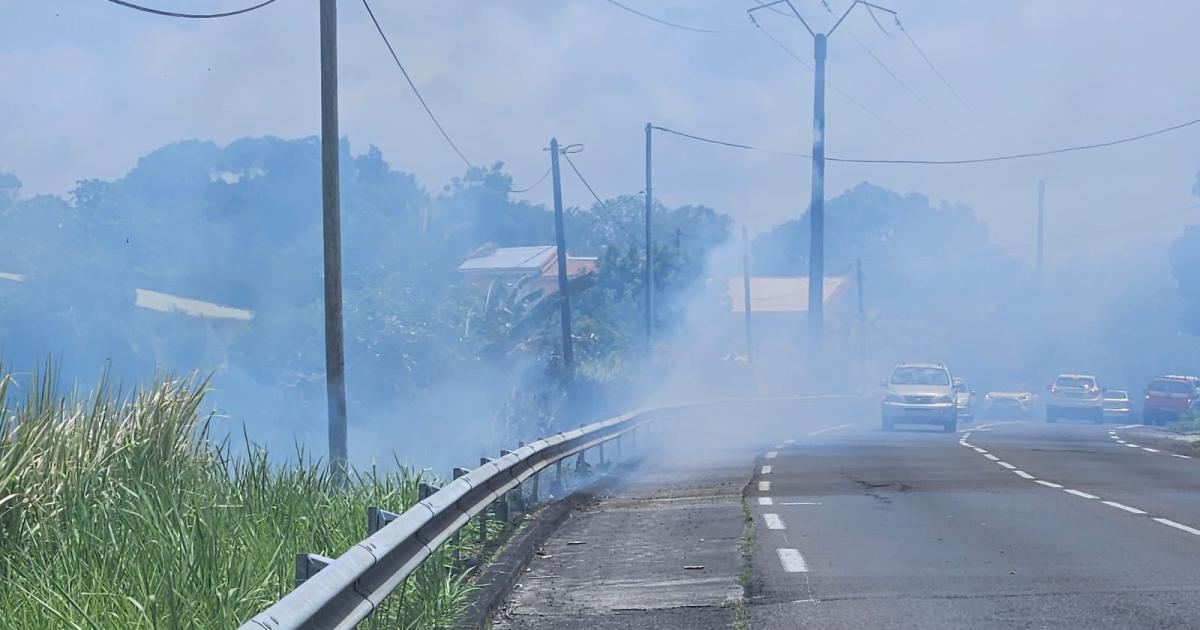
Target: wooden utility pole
648,281
746,295
564,296
331,225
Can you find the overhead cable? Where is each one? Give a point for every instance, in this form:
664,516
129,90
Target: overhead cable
194,16
665,22
929,63
979,160
413,86
599,201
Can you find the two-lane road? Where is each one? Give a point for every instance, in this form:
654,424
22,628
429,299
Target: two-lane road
1014,525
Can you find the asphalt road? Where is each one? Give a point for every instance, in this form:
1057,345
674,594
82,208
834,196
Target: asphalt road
1002,525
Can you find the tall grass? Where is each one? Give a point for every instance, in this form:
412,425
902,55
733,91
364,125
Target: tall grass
117,510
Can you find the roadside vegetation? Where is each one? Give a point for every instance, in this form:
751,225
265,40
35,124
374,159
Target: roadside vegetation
118,511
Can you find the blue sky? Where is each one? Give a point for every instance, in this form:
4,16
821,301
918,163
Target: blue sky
92,86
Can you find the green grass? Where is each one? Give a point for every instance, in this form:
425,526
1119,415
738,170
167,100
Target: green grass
117,510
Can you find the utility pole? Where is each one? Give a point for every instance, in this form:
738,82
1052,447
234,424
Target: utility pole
331,226
564,297
648,270
816,209
746,295
816,249
1041,223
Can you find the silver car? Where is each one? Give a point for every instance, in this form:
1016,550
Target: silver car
1116,404
964,400
920,393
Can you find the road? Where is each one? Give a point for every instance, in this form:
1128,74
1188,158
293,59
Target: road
1002,525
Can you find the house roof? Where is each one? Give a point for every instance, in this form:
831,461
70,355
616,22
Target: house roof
772,294
167,303
511,259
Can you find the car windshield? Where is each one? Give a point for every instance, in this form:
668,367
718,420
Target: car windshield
920,376
1116,395
1082,382
1170,386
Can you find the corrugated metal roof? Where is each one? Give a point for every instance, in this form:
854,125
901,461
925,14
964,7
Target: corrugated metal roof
167,303
531,259
779,294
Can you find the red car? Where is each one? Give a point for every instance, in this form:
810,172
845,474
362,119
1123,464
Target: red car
1169,397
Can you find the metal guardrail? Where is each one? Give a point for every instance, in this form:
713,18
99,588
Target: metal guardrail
340,593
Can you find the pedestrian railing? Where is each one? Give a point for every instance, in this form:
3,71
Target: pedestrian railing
339,593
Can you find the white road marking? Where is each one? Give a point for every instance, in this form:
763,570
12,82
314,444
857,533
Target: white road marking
1023,474
1119,506
792,561
966,436
1121,442
979,450
1007,465
1149,450
766,470
1080,493
764,486
773,521
1170,523
772,454
1131,445
1181,456
800,503
777,446
1048,484
789,441
1129,426
827,429
991,457
766,501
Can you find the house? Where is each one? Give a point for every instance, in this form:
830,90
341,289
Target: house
197,331
786,297
537,265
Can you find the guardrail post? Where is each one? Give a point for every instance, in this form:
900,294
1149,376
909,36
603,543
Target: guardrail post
602,462
425,490
556,487
307,565
502,504
483,514
533,488
619,446
378,518
455,473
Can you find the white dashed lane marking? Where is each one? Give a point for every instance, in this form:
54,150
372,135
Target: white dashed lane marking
1007,465
1120,506
1049,484
772,454
991,457
1185,528
764,486
1180,456
1149,450
792,561
979,450
766,501
773,521
1022,474
828,429
1080,493
766,470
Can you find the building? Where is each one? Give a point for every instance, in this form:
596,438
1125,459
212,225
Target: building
786,297
536,264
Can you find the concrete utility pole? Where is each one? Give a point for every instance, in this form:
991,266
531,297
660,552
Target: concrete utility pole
816,249
1041,223
648,281
564,297
746,295
331,225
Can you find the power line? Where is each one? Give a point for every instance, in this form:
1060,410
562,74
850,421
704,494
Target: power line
665,22
929,63
535,184
195,16
995,158
837,89
881,64
412,85
617,223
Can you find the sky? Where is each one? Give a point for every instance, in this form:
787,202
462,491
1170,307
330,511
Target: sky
91,86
